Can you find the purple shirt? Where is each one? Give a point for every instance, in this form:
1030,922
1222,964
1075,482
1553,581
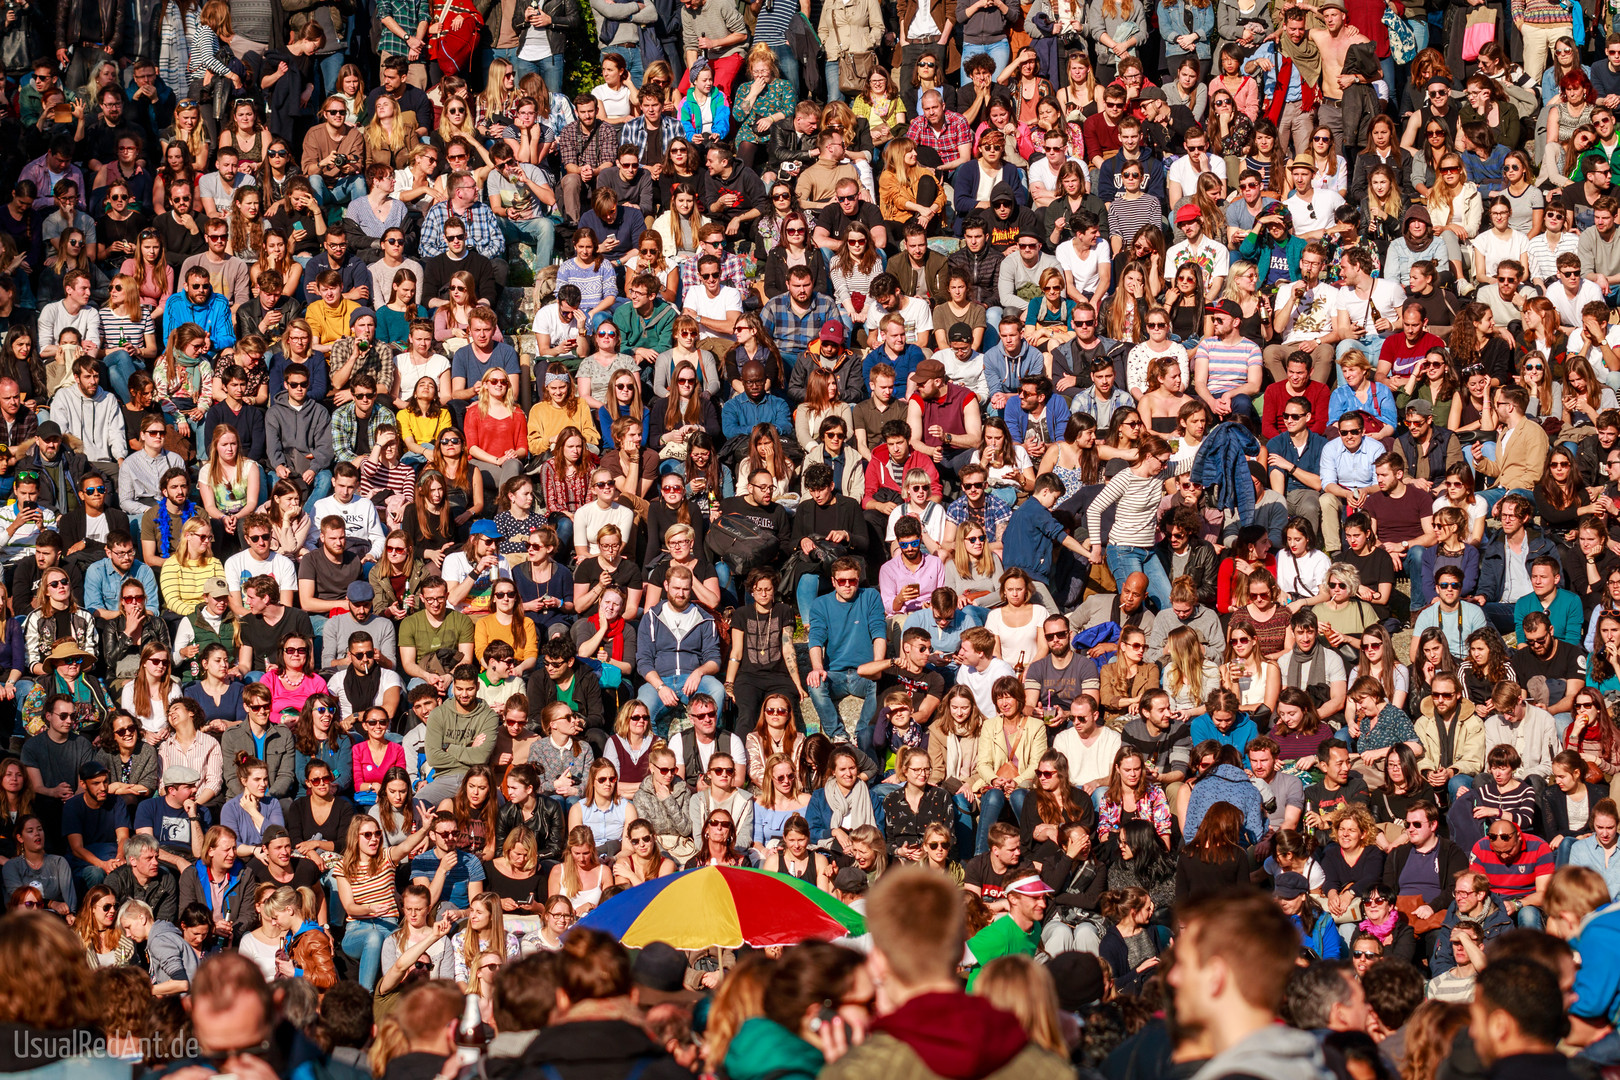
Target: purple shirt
895,575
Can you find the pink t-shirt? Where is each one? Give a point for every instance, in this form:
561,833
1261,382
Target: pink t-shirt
286,704
368,772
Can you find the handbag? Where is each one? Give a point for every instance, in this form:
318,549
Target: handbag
1478,31
854,69
1402,42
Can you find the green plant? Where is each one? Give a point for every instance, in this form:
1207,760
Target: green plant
585,55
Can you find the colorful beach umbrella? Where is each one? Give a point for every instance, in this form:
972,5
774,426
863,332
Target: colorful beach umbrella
726,906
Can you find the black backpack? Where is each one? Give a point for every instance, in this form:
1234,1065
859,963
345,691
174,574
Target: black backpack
740,541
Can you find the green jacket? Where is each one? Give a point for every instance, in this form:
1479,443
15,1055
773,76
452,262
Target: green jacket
656,332
763,1048
1258,251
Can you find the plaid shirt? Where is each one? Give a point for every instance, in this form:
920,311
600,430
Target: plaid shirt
483,230
408,14
791,333
344,428
947,143
1485,173
993,515
733,272
600,148
635,133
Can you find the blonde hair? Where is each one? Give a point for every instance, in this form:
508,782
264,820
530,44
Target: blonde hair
1186,655
490,939
1019,985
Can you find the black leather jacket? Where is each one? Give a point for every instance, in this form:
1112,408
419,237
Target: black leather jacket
70,19
547,824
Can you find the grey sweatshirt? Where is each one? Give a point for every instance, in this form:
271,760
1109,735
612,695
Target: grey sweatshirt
298,438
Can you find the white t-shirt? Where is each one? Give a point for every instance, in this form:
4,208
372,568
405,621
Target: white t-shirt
411,372
970,373
96,528
549,321
1477,510
1313,319
242,566
698,302
1313,216
1044,174
915,310
1083,269
1384,300
1496,248
1001,475
615,103
1183,173
1569,310
1086,764
589,519
932,521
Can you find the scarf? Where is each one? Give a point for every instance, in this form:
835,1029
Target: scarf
1305,56
857,804
612,638
361,690
163,522
1448,736
1314,664
1384,929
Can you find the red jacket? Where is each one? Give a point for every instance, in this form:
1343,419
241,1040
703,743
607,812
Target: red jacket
877,474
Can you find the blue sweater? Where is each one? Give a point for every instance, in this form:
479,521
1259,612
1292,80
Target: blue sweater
846,631
1227,784
1238,738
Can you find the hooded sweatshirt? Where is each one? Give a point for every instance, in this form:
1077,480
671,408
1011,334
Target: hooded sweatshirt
1272,1053
949,1035
298,438
763,1048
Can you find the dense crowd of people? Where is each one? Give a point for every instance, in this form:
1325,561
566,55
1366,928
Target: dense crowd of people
1121,496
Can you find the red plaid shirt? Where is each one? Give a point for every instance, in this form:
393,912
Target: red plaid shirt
946,142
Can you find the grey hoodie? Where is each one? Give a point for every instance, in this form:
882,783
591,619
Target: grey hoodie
298,438
1274,1052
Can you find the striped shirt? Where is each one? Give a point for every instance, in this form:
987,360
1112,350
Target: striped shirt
1515,880
183,585
1126,217
1137,514
1229,364
1543,257
376,889
118,332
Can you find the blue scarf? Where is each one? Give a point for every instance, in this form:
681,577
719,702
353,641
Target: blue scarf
163,520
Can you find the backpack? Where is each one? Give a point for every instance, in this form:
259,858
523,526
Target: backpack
742,543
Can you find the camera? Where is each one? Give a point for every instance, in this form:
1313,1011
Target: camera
340,161
1072,41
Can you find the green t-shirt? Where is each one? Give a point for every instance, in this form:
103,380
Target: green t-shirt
415,632
1003,937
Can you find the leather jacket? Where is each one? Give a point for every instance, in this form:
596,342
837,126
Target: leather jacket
787,144
69,23
312,956
547,825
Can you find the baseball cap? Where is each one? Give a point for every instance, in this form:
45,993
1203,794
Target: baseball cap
216,587
960,331
1420,406
832,333
92,769
485,527
930,369
1290,886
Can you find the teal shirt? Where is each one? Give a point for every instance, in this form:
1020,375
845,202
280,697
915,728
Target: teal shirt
1568,623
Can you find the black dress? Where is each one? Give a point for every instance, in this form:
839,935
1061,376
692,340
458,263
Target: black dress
524,890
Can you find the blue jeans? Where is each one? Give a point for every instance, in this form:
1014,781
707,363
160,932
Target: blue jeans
1530,918
1367,346
338,193
788,61
539,232
841,684
999,51
963,834
805,593
648,696
1124,561
120,366
554,69
363,941
991,803
834,92
565,530
320,489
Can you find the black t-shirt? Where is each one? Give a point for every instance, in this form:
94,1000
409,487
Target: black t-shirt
762,637
835,221
1375,569
627,576
702,572
978,871
1562,664
179,242
110,231
264,639
920,685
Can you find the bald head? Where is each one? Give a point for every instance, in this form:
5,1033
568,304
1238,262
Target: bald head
1133,590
